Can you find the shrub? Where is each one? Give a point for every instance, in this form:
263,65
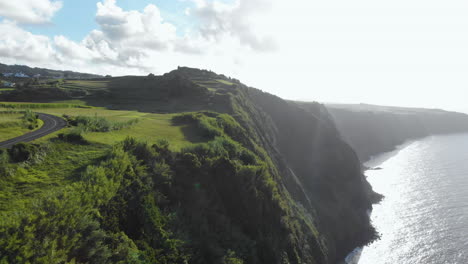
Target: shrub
30,119
98,124
73,136
22,152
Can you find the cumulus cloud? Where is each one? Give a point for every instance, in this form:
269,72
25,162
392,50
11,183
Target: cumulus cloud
145,29
29,11
239,20
19,44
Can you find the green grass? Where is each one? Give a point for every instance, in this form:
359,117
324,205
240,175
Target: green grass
7,117
11,126
6,89
26,105
64,162
149,128
71,102
224,82
88,84
61,166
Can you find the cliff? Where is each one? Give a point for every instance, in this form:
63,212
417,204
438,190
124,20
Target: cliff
371,130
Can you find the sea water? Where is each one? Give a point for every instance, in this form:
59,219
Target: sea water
424,215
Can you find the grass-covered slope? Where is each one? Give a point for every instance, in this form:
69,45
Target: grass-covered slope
213,172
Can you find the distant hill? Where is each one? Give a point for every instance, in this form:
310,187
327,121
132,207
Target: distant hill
372,129
45,73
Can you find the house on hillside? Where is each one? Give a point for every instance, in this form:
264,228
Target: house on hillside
8,74
7,84
37,75
21,75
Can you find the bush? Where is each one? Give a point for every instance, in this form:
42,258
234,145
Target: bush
22,152
98,124
30,119
73,136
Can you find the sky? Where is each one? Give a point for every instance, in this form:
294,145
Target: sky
399,52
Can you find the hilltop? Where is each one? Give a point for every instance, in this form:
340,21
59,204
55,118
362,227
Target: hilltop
43,73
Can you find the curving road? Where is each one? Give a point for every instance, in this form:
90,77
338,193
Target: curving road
51,124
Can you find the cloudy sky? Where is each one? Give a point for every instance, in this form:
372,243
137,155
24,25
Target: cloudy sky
399,52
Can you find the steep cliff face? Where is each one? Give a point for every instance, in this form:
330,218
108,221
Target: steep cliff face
326,169
313,165
371,130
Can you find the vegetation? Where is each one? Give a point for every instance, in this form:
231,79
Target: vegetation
73,136
136,189
15,123
43,72
31,119
212,172
98,124
17,105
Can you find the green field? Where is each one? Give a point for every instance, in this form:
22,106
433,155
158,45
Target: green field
149,128
6,89
12,126
90,84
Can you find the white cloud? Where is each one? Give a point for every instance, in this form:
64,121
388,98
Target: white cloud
18,44
239,20
145,29
29,11
396,52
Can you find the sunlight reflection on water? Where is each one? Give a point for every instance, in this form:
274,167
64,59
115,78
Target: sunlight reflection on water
424,216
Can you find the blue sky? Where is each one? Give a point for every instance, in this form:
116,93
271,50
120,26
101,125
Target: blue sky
76,18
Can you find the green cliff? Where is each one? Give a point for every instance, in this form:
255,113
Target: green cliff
261,180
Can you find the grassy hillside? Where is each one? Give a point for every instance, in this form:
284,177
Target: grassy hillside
188,167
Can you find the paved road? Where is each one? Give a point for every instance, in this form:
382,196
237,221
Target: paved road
51,124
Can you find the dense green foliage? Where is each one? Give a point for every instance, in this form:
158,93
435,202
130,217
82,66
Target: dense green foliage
73,136
98,124
146,204
31,119
130,189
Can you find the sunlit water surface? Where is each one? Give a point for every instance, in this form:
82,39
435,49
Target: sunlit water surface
424,216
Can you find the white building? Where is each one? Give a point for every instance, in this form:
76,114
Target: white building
21,75
7,84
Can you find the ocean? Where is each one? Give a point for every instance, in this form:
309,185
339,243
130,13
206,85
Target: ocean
424,215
